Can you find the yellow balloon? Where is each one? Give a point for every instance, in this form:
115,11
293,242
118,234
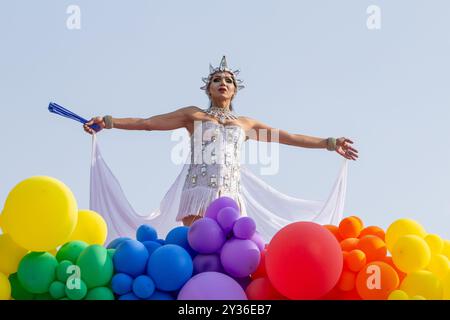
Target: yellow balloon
411,253
446,249
418,298
40,213
5,287
91,228
10,254
446,285
435,243
400,228
439,265
423,283
398,295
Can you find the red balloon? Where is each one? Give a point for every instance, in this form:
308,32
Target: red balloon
304,261
261,270
262,289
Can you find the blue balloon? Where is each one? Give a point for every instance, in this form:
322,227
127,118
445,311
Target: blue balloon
129,296
179,236
170,267
161,241
143,287
161,295
115,243
131,258
151,246
146,233
121,283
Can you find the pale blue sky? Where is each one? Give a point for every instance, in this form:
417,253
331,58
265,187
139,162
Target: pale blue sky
310,67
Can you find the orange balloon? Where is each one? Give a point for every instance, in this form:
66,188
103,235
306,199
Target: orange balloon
376,281
334,230
389,261
350,227
349,244
374,248
347,281
359,219
373,231
355,260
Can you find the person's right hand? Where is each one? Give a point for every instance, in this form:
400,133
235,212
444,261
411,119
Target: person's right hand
94,120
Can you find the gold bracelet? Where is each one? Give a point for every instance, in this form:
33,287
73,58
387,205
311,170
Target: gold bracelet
108,122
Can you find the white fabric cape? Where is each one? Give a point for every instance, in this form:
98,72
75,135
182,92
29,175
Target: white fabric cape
270,208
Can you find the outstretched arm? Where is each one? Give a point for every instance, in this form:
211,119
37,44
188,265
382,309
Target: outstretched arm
263,132
167,121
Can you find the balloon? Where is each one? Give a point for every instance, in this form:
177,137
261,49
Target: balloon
401,274
218,204
439,265
62,271
37,271
100,293
244,228
202,229
349,244
350,227
435,243
376,281
179,236
18,292
400,228
161,241
143,287
335,231
240,258
131,258
115,243
398,295
417,297
374,248
207,262
40,213
170,267
411,253
446,287
91,228
71,251
303,261
355,260
226,218
76,292
5,287
96,266
121,283
146,233
373,231
129,296
211,286
446,248
347,281
160,295
151,246
261,270
423,283
57,290
10,254
262,289
259,241
43,296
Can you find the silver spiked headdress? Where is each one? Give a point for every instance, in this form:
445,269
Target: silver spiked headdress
223,66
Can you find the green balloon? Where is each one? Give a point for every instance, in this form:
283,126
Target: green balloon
111,252
71,251
57,290
43,296
18,292
100,293
96,266
61,271
37,271
78,291
64,299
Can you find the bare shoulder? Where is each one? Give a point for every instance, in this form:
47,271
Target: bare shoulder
246,122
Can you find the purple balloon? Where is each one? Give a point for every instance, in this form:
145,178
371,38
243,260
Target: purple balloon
212,286
206,236
243,282
244,228
240,258
218,204
207,262
259,241
226,218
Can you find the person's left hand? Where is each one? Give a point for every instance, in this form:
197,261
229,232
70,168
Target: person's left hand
344,149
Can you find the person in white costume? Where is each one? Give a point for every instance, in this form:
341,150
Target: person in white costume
213,168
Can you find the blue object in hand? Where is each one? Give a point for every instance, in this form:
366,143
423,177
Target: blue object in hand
56,108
